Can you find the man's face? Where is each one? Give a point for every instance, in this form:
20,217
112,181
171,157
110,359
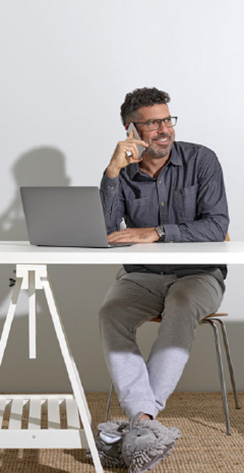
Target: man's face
160,141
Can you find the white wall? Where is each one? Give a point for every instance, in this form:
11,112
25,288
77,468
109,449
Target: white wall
66,66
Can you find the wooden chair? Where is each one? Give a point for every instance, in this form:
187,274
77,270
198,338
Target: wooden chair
213,320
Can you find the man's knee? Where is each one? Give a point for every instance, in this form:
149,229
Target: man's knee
194,297
178,300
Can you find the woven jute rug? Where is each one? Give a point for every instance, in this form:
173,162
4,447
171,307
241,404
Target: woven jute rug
203,447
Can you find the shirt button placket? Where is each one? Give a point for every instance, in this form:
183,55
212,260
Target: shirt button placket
162,202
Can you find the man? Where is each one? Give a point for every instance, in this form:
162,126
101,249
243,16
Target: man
173,193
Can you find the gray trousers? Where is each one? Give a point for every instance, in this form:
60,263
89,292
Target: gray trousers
136,298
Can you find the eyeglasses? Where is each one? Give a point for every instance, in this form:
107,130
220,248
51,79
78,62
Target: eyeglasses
155,123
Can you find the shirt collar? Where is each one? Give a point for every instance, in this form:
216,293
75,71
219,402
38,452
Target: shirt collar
175,159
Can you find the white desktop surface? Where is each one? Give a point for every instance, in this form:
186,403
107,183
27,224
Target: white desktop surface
227,252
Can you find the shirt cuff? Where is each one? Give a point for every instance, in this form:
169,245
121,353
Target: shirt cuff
172,233
109,184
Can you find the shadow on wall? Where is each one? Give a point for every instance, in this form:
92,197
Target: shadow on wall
38,167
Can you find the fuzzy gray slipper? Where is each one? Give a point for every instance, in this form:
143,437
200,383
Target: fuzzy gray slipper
146,443
108,442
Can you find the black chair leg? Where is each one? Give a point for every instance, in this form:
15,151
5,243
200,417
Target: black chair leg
213,324
109,401
229,360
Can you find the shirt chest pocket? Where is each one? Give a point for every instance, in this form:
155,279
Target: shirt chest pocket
184,202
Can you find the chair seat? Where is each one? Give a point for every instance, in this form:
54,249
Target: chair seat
216,314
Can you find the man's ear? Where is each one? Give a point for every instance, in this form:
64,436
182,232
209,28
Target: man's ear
127,126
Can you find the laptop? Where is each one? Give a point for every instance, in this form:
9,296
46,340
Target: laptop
65,216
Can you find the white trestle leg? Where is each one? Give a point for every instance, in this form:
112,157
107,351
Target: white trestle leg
9,318
32,315
33,277
72,373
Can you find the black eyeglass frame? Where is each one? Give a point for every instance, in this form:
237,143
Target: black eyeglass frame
159,120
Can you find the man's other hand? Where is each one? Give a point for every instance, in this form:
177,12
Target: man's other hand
134,235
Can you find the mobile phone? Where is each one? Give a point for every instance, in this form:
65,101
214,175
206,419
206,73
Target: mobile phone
141,149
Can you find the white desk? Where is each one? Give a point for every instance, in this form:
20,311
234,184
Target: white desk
227,252
31,272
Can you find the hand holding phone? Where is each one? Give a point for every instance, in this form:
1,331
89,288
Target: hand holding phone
126,152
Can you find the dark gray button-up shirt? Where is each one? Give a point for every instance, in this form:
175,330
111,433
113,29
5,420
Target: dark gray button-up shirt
188,198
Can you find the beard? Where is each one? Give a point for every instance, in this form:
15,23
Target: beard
160,151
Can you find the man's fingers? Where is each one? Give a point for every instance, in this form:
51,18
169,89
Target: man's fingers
132,153
118,237
134,235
